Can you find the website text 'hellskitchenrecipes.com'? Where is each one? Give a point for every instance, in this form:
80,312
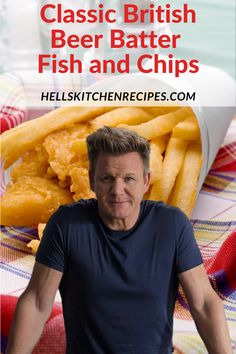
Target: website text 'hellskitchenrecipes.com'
112,96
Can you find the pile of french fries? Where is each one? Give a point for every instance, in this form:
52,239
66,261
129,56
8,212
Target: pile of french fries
54,166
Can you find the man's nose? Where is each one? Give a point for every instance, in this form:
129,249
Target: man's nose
117,186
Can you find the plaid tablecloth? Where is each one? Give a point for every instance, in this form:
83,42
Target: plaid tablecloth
214,223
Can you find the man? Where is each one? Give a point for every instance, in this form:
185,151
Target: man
117,261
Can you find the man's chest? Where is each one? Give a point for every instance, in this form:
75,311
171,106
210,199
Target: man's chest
103,265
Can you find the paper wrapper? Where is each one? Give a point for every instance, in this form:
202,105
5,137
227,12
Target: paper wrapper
213,120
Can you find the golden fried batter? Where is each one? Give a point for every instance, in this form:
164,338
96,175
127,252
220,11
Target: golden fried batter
32,200
34,163
80,183
58,146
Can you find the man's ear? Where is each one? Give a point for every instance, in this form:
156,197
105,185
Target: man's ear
147,177
91,180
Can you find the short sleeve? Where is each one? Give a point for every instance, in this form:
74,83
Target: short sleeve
52,248
188,253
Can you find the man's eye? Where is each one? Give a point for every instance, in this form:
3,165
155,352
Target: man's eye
106,178
129,179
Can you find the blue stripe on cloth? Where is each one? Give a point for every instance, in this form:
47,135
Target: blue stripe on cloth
206,185
14,248
17,237
15,270
25,232
222,176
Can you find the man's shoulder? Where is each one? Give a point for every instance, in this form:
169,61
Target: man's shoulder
78,209
159,206
164,211
80,204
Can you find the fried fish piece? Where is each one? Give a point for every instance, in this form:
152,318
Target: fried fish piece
58,147
32,200
80,183
34,163
22,138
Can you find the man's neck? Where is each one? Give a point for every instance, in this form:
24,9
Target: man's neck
119,224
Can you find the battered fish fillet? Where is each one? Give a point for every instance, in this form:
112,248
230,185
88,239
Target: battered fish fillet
57,146
34,163
80,183
32,200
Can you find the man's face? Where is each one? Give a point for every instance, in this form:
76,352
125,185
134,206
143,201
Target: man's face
119,184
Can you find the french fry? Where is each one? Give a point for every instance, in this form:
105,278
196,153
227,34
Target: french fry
127,115
161,142
160,125
23,138
157,146
155,163
41,228
185,189
160,110
34,245
187,130
170,168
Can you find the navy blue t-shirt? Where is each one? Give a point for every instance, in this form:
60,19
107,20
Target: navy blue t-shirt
119,288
